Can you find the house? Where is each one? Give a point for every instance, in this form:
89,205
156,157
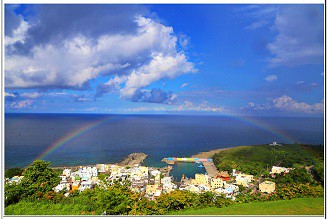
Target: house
267,187
203,188
151,189
224,175
279,170
216,183
192,188
67,172
169,187
244,179
86,185
200,179
234,188
103,168
166,180
15,179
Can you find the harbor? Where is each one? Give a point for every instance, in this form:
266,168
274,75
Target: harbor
206,163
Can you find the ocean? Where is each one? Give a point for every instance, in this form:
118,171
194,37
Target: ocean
81,139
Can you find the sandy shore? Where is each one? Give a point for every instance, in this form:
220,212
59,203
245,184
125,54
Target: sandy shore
208,154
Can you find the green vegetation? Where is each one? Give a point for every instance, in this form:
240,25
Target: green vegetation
258,160
38,181
9,173
299,206
298,190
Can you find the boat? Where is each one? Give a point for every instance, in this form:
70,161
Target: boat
200,166
198,162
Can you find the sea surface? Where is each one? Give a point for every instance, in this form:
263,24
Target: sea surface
80,139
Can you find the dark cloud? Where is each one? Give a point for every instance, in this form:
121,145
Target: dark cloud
55,23
154,96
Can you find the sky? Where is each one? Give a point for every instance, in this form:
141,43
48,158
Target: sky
257,60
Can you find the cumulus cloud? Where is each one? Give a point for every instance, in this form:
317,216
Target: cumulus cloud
300,36
184,85
286,103
135,55
154,96
271,78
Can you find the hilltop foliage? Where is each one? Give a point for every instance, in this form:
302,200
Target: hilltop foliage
258,160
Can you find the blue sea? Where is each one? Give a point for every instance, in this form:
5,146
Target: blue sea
78,139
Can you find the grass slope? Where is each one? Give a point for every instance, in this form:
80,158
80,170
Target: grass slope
44,208
300,206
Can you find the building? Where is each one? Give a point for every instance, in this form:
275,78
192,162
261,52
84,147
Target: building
275,144
103,168
216,183
67,172
244,179
279,170
267,187
201,179
166,180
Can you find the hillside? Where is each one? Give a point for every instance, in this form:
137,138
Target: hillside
299,206
259,159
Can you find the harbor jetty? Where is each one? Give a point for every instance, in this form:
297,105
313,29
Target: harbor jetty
172,160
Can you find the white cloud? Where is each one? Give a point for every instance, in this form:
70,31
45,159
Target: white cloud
287,103
137,60
271,78
202,107
184,85
300,82
19,35
32,95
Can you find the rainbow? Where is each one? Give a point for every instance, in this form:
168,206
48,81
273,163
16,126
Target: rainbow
86,128
266,127
71,136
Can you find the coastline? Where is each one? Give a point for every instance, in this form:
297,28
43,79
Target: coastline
209,154
139,158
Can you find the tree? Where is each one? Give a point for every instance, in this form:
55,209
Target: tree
39,178
11,172
319,172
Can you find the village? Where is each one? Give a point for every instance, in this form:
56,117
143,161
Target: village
152,182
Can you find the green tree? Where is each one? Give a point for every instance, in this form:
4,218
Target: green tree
11,172
38,179
319,172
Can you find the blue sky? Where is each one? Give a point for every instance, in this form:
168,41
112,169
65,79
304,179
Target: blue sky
165,59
